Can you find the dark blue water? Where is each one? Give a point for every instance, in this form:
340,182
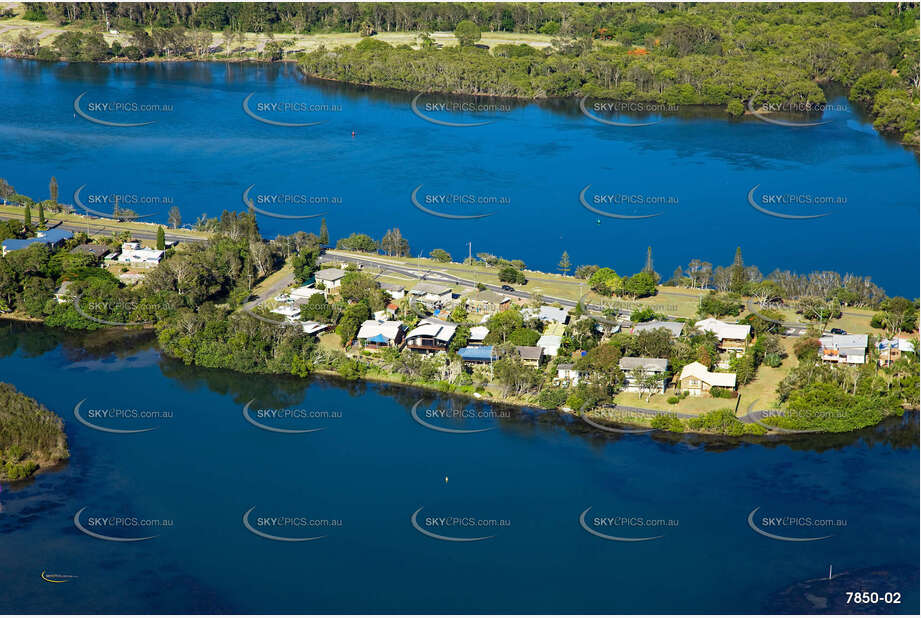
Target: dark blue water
374,466
205,152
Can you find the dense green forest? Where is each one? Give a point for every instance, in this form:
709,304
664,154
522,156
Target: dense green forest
31,436
695,53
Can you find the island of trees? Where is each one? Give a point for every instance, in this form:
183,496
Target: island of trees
31,436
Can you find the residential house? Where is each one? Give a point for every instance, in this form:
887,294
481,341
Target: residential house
63,293
550,344
50,238
477,335
547,313
330,277
567,376
289,311
380,334
849,349
477,354
431,294
631,365
136,255
97,251
303,293
530,354
431,335
674,328
395,290
732,337
891,350
487,301
697,379
315,328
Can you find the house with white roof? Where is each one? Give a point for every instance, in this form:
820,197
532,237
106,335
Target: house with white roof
303,292
132,253
315,328
431,335
550,344
567,376
849,349
697,379
380,333
634,366
674,328
477,335
395,290
891,350
289,311
329,277
546,313
732,337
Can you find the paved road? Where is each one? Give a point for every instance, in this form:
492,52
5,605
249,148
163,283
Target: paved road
623,318
435,275
274,289
99,228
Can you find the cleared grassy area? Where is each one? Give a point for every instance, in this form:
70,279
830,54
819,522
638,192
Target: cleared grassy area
670,301
254,43
762,391
95,225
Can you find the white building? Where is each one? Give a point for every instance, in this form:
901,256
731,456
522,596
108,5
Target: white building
697,379
550,344
652,366
132,253
567,376
849,349
303,293
380,333
732,337
330,277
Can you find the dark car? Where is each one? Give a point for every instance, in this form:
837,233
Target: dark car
838,331
508,288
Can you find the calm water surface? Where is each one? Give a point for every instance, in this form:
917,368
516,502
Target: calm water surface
372,467
532,161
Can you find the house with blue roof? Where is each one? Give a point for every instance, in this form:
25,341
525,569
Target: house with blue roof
477,354
51,238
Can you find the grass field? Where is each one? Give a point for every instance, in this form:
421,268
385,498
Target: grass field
95,225
253,44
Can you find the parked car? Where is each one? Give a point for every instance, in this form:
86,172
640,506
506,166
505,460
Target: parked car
508,288
838,331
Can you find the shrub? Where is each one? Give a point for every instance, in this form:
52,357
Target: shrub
552,398
667,422
673,400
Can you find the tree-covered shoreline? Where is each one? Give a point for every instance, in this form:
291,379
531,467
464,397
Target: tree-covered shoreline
722,54
31,436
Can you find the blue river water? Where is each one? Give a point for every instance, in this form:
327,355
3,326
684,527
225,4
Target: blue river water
358,481
525,169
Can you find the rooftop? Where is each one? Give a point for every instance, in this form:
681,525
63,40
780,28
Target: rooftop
430,288
330,274
529,352
697,370
657,365
674,328
724,330
476,352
